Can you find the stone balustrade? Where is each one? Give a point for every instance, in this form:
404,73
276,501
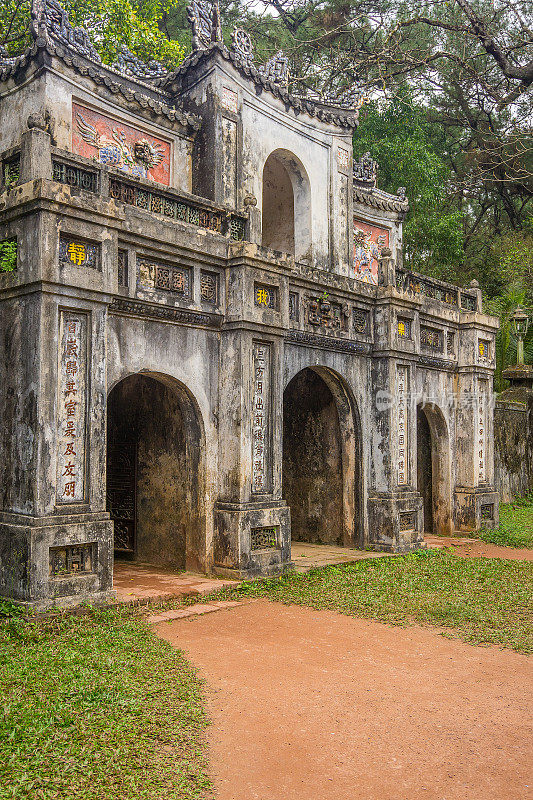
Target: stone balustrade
416,283
79,173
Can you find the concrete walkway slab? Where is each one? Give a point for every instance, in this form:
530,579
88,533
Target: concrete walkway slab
306,556
135,582
190,611
315,705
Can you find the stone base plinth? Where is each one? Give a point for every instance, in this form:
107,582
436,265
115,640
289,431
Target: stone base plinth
56,561
475,508
252,539
395,523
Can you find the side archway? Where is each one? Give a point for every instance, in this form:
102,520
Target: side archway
286,205
322,460
156,472
434,469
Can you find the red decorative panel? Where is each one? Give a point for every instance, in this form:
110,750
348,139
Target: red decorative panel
118,145
368,240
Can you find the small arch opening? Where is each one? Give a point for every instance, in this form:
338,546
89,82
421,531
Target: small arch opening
434,469
286,205
322,460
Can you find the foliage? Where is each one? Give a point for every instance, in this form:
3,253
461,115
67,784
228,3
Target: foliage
112,23
480,600
410,152
96,707
503,306
8,255
516,525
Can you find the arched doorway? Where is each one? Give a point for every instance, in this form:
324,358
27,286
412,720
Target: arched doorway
322,460
286,205
433,469
155,473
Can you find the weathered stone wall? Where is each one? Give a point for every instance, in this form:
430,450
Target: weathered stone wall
178,292
513,449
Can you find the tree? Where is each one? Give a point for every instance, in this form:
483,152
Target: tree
410,152
113,23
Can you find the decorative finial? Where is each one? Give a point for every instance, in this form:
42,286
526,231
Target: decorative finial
204,17
276,69
39,120
366,170
242,46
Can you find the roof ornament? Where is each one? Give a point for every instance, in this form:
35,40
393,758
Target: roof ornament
242,46
132,66
204,18
50,20
276,69
351,99
5,59
365,170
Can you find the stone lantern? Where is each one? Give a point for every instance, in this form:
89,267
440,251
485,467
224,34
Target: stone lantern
520,322
521,375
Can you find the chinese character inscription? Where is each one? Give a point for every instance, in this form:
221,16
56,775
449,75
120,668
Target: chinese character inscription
402,422
481,441
260,416
71,408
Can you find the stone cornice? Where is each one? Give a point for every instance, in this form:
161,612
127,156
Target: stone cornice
160,313
377,198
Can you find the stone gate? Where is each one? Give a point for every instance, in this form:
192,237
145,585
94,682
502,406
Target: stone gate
207,330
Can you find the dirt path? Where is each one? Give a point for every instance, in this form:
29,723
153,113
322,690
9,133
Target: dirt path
474,548
314,705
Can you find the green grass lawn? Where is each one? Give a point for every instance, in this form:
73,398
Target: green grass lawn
480,600
516,525
96,707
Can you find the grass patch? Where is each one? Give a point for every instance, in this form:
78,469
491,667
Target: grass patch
480,600
516,525
97,707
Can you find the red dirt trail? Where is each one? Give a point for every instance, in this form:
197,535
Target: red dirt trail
315,705
475,548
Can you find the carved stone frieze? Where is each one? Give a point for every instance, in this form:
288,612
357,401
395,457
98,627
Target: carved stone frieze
322,313
326,342
137,308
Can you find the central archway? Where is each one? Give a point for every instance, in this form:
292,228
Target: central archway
155,473
322,480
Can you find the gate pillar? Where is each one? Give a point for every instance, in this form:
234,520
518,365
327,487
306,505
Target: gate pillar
252,521
55,534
